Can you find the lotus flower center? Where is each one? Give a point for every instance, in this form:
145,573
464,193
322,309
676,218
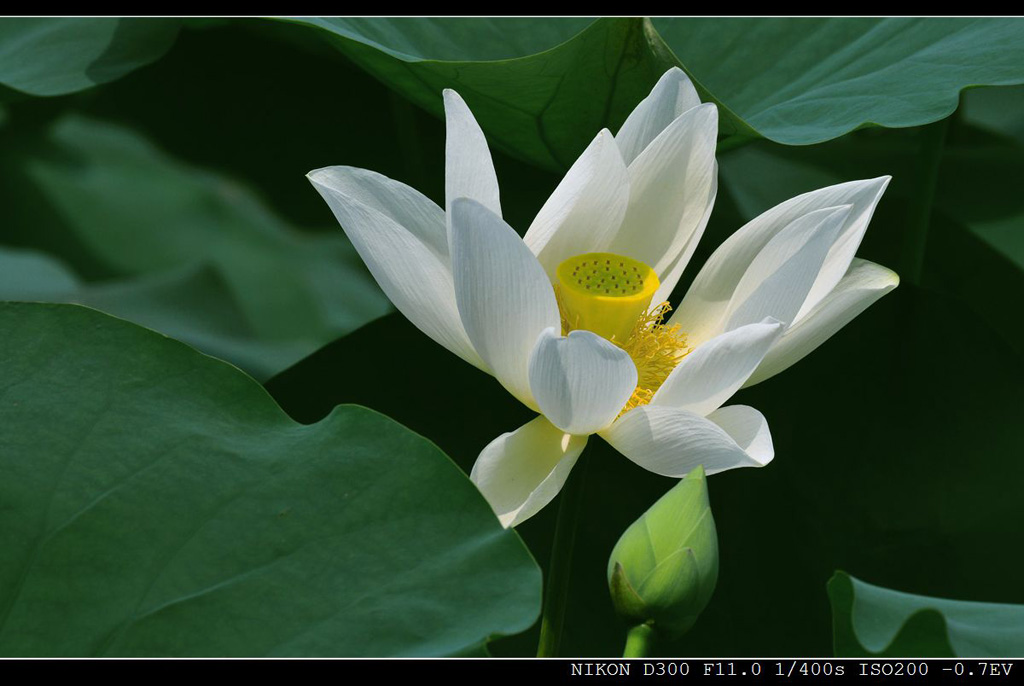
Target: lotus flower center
611,295
606,293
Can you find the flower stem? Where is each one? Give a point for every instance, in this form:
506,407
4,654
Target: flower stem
933,140
638,641
556,591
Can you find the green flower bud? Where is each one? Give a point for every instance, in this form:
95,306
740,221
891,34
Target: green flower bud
663,570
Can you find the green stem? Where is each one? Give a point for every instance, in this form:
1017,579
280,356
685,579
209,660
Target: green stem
556,591
638,641
933,141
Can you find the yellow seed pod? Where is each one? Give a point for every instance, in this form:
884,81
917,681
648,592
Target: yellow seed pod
605,293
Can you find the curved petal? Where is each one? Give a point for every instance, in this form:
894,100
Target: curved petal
671,276
709,375
401,203
717,280
748,428
670,97
585,211
671,442
670,187
396,233
581,381
864,283
864,197
468,170
777,281
504,297
774,283
522,471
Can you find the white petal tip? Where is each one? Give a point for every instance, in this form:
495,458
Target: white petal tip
674,74
772,322
462,205
452,97
879,182
322,176
708,109
884,279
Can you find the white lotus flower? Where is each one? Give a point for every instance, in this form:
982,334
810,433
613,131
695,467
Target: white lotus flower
630,211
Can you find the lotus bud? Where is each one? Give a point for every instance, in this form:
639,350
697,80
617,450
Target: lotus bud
663,570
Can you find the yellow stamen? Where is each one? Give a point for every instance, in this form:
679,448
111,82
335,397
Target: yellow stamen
656,350
622,315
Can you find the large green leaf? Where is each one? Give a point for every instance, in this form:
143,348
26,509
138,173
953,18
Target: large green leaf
111,205
537,97
870,620
807,80
59,55
542,88
157,502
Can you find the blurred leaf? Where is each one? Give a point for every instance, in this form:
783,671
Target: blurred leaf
980,187
60,55
807,80
872,621
996,109
193,304
157,502
32,275
111,205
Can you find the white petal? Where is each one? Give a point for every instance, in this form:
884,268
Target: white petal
468,170
671,276
581,381
714,285
863,284
709,375
403,204
396,233
522,471
504,297
670,97
671,442
774,281
585,211
670,188
778,279
748,428
864,196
